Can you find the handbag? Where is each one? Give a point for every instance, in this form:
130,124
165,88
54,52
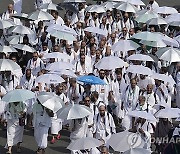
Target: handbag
22,121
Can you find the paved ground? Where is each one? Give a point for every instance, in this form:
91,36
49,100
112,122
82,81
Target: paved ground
29,145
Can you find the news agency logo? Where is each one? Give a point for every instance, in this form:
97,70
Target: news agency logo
134,140
164,140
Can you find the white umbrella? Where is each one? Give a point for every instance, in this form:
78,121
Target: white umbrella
96,30
49,79
136,2
157,21
84,143
48,6
18,95
145,16
125,45
166,10
24,47
174,23
123,141
21,16
168,113
68,73
61,28
8,65
110,63
53,103
74,111
169,41
57,55
138,69
20,29
40,15
158,44
137,151
96,8
147,36
74,1
15,39
169,54
59,66
126,7
163,77
140,57
6,24
142,114
108,5
173,17
7,49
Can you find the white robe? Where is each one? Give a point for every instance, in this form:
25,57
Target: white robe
178,89
104,130
14,130
18,5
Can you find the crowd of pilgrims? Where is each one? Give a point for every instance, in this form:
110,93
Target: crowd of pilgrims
110,103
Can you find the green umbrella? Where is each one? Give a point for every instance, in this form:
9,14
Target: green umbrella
147,36
18,95
145,17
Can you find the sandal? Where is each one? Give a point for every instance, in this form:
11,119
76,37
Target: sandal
8,152
39,150
18,150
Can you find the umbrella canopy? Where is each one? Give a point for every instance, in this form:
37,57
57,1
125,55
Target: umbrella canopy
147,36
8,65
63,35
173,17
20,29
169,54
136,2
40,15
56,55
18,95
24,47
84,143
21,16
96,8
49,79
7,49
126,7
142,114
140,57
68,73
59,66
169,41
163,77
125,45
123,141
168,113
74,111
48,6
96,30
108,5
143,18
6,24
15,39
158,44
157,21
53,103
137,151
91,79
110,63
166,10
74,1
61,28
138,69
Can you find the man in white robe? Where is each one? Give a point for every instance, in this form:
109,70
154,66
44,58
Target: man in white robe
130,100
35,64
18,6
104,125
14,111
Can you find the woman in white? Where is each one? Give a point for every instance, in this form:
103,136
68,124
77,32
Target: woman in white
15,115
42,123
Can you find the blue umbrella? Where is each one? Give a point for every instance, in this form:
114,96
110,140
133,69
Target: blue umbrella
90,79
